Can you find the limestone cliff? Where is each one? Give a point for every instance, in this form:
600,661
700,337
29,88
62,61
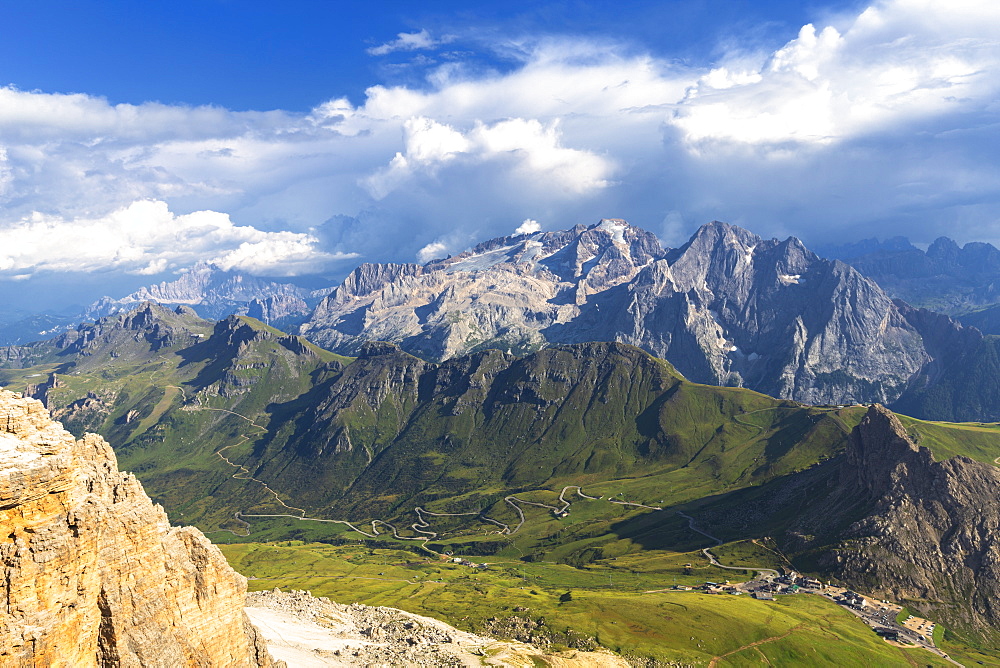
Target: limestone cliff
93,573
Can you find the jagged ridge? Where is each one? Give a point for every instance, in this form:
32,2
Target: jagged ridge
728,308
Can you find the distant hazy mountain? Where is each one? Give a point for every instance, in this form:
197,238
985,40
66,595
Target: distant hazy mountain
856,249
728,308
946,277
34,328
212,292
215,294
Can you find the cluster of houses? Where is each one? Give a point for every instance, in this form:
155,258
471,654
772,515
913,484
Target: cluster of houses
720,588
852,600
470,564
793,579
789,583
792,583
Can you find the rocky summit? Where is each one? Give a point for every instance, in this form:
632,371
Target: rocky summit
93,573
727,308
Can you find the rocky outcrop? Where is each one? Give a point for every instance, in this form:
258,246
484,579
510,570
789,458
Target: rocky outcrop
728,308
40,390
318,632
93,573
887,519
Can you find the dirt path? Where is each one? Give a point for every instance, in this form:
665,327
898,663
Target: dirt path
169,394
715,660
421,526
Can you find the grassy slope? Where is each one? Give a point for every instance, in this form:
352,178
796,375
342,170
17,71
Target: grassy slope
976,440
630,426
631,431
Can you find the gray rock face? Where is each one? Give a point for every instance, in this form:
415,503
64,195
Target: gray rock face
728,308
929,534
275,309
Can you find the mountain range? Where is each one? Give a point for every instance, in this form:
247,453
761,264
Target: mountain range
444,404
727,308
210,291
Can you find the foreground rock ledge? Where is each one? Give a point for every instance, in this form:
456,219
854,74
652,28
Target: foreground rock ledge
93,573
311,632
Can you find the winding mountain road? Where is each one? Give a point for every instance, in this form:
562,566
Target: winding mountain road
764,572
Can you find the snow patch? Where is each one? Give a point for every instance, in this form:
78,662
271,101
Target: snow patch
790,279
532,250
481,261
616,228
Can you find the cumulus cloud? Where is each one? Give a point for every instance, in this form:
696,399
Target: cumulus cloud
409,41
432,251
146,238
533,150
898,61
529,226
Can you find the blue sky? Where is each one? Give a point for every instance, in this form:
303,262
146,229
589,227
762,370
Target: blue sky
302,138
250,54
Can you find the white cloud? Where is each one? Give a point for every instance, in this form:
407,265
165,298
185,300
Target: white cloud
146,238
432,251
409,41
529,226
532,150
898,61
